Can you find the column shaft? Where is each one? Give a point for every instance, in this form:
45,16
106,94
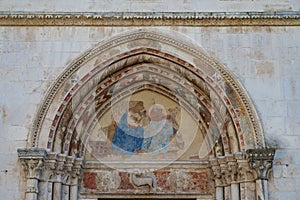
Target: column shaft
74,189
227,191
57,191
219,193
235,191
65,192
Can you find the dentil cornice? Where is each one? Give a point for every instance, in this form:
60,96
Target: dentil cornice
150,19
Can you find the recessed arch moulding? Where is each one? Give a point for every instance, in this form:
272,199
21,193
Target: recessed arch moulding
146,95
205,78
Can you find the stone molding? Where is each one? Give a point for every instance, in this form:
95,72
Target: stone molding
291,18
251,115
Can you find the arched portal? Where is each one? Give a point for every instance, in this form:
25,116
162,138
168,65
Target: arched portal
146,114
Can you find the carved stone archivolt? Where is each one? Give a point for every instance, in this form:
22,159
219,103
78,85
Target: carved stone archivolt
150,44
168,84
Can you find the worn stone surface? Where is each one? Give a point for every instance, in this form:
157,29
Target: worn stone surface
158,6
264,59
162,181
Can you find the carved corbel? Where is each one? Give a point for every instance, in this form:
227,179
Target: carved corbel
261,160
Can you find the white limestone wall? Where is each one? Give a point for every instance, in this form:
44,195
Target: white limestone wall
150,5
265,60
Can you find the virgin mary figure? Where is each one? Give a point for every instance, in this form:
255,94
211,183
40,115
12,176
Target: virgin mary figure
129,133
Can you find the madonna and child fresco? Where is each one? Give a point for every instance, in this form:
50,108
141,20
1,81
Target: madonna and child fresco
141,127
138,132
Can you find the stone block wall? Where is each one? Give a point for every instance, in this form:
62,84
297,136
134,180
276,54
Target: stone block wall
264,59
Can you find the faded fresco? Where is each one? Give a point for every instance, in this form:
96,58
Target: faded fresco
163,181
146,125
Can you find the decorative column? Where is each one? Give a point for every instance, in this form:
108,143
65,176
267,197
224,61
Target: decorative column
45,182
246,178
261,160
32,161
66,177
234,185
75,178
226,176
218,178
57,185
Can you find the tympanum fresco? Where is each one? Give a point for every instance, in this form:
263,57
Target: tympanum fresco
146,125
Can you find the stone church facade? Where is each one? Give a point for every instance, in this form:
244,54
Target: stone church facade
150,99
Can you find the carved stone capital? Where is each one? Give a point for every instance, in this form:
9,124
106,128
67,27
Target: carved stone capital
68,166
32,161
216,169
61,159
59,169
245,173
261,160
226,173
76,169
232,167
49,166
69,163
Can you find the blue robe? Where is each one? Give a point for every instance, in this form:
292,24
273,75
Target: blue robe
161,131
127,138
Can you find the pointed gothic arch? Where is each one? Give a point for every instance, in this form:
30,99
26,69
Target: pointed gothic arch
140,65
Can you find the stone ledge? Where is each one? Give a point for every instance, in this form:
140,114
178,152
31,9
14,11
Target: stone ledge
150,19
